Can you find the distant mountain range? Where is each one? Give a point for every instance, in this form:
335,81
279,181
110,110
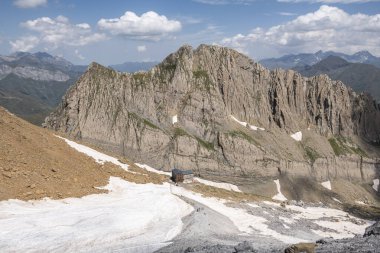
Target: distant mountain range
296,60
32,84
359,76
134,66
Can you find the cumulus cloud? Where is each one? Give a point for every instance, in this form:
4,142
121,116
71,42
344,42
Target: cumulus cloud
59,31
141,48
328,28
328,1
24,44
29,3
148,26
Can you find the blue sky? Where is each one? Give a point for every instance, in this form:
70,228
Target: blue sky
116,31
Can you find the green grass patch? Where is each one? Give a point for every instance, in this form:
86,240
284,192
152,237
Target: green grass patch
341,148
242,135
338,149
179,132
205,144
359,151
311,154
150,124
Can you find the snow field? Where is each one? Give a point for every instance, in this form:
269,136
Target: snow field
135,217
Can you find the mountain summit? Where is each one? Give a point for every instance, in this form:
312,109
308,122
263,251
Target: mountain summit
299,60
215,111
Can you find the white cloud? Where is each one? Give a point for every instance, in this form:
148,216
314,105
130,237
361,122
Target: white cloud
24,44
328,1
59,31
29,3
329,28
141,48
287,14
79,55
224,2
148,26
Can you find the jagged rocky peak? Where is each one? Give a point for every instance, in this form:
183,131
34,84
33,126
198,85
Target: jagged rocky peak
214,110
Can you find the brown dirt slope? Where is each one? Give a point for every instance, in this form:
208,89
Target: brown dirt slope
35,164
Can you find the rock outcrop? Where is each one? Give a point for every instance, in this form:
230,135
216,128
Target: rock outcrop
191,111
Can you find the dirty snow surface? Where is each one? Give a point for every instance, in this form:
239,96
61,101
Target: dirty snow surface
130,218
327,185
376,184
297,136
293,224
279,196
225,186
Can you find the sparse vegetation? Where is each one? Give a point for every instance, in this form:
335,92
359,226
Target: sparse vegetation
150,124
203,76
359,151
140,78
242,135
167,70
116,114
140,120
179,132
311,154
341,148
205,144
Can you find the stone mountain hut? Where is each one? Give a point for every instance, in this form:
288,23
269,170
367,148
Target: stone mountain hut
182,176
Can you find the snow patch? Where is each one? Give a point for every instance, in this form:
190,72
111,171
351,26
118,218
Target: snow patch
279,196
99,157
327,185
255,128
360,202
376,185
337,200
131,218
226,186
253,205
297,136
343,225
150,169
174,119
286,220
343,228
245,124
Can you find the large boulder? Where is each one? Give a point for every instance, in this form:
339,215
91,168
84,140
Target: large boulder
373,230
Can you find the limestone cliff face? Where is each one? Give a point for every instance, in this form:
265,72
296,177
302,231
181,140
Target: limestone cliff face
209,89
